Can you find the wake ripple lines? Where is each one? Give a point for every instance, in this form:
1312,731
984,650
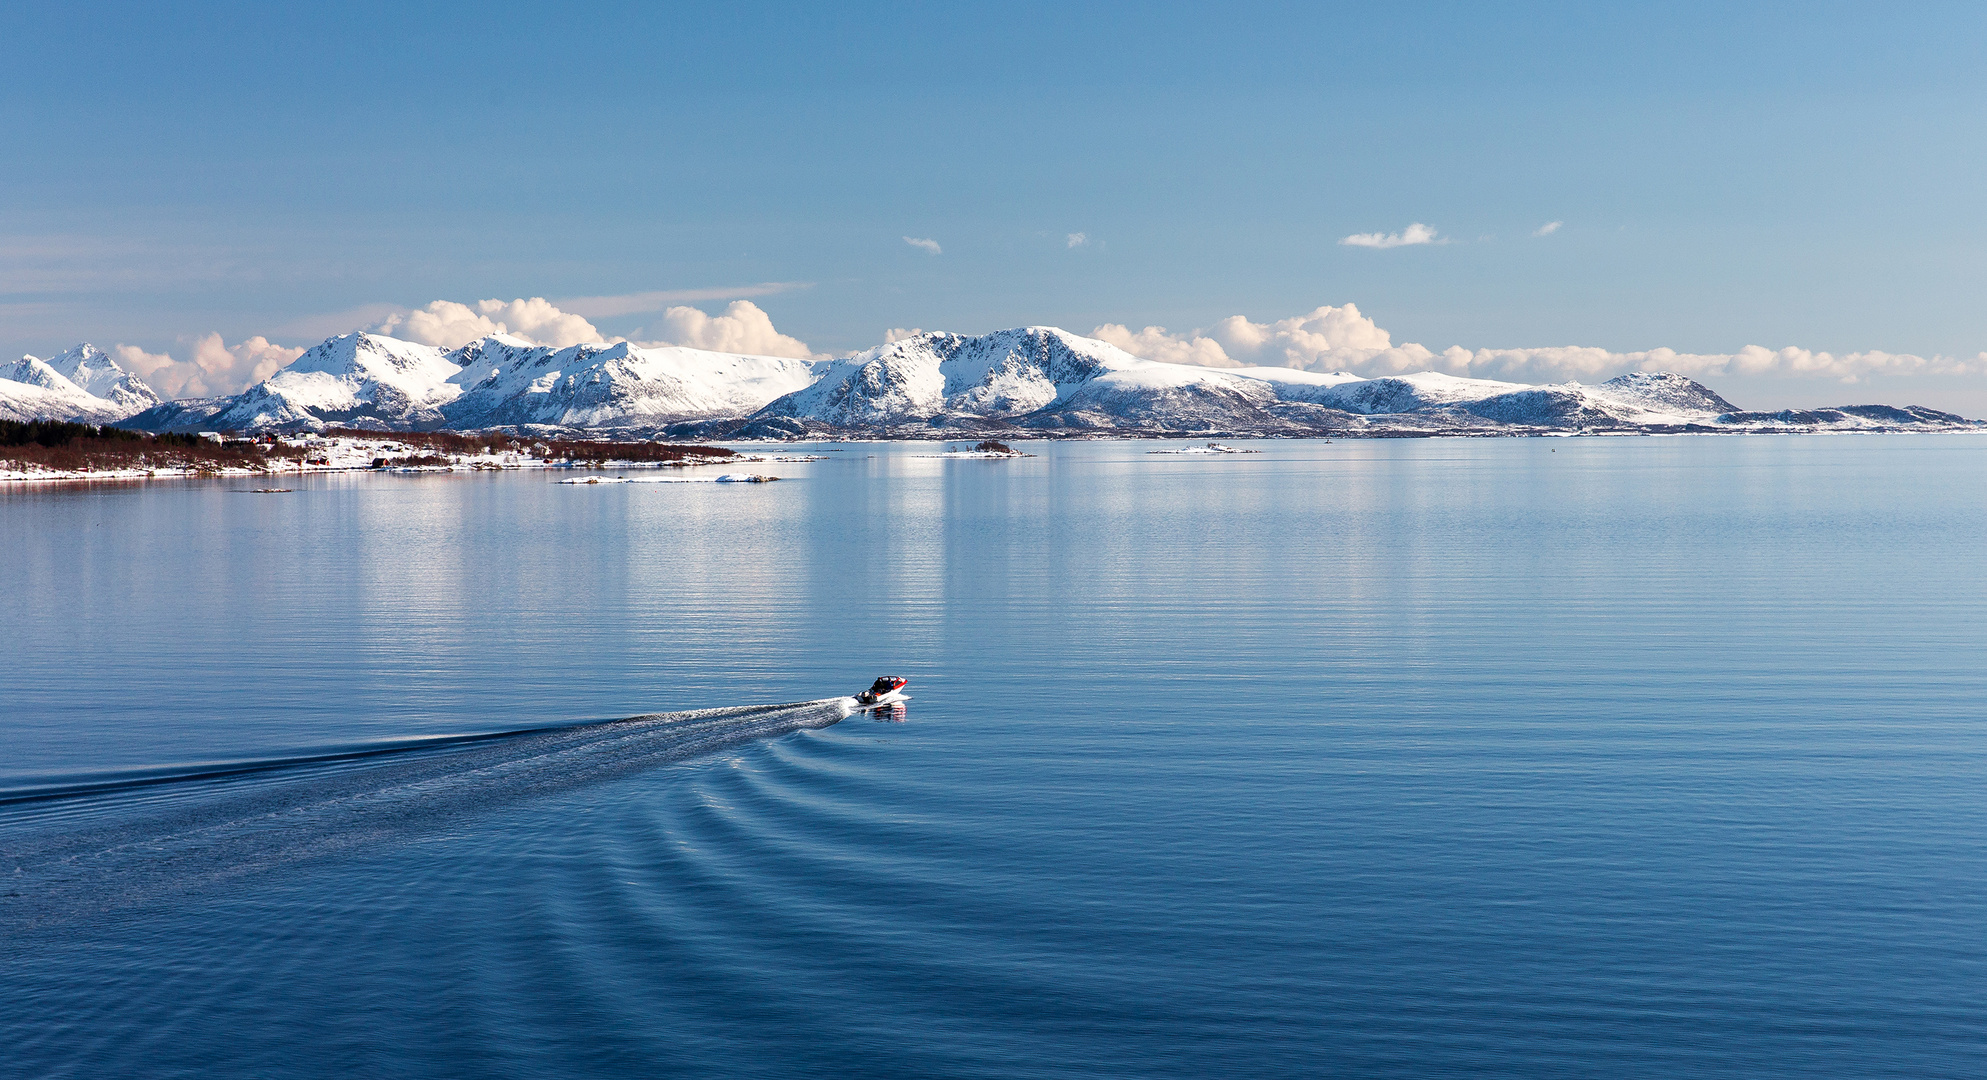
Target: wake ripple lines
75,856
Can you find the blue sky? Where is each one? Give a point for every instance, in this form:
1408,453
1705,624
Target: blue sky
1804,175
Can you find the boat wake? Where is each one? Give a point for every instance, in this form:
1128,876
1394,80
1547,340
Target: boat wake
80,849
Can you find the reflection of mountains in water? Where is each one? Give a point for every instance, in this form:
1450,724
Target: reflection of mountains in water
100,844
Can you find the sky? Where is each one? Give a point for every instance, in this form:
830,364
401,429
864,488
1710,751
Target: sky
1535,191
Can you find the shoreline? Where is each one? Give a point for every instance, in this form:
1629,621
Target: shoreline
58,477
394,452
512,462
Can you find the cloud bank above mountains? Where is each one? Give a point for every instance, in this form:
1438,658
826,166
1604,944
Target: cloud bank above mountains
213,368
1342,339
445,324
1327,338
210,367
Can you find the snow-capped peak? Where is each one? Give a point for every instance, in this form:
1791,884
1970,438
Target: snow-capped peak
1025,378
98,375
361,380
35,371
31,389
506,380
1665,392
420,371
1006,372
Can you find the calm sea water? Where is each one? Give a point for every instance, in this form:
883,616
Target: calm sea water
1557,757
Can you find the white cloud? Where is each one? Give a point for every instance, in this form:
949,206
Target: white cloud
898,333
1326,338
225,367
1342,339
218,368
446,324
607,307
1590,364
1154,343
1077,239
333,323
154,368
215,367
743,328
1548,228
926,245
1593,364
1416,233
372,317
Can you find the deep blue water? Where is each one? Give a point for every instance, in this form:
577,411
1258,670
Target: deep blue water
1542,758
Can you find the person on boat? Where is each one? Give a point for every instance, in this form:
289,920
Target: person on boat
882,687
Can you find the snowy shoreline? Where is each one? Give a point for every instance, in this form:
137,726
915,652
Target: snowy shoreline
52,476
346,455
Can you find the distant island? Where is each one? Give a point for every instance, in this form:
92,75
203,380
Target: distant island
1028,382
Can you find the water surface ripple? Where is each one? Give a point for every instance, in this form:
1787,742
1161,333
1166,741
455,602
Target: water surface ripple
1556,757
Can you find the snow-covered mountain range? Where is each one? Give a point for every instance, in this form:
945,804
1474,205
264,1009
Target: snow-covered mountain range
1045,380
1029,380
355,380
504,381
379,383
82,384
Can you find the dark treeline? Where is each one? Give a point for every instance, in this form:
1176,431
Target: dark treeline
60,445
661,453
497,442
58,433
446,442
57,444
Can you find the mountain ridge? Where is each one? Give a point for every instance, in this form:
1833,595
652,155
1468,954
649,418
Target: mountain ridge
1038,381
96,374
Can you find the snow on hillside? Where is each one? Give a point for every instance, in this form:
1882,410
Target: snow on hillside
184,414
1409,393
1025,378
1845,418
1004,373
31,389
1568,405
1070,380
508,381
26,401
1042,377
1295,384
1665,392
91,369
1161,397
81,385
866,389
34,371
354,380
899,381
1636,399
381,383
